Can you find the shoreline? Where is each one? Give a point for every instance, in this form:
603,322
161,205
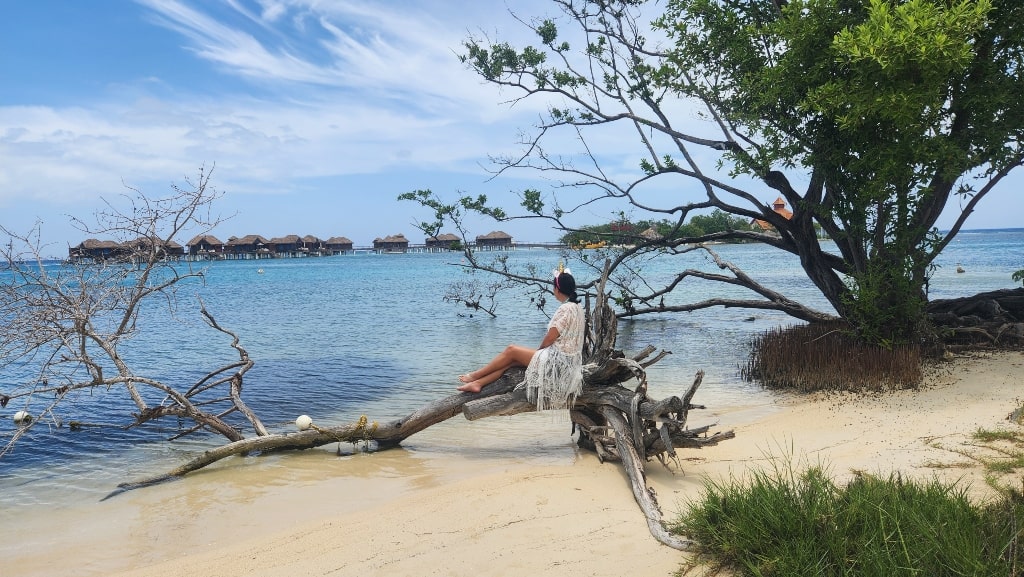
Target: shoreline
503,511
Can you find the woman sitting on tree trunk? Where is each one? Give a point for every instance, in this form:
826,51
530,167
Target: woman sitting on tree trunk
554,372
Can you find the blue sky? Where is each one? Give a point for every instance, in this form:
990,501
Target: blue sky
317,115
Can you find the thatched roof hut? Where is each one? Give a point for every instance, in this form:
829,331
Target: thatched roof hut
285,244
651,234
94,249
444,240
338,243
205,244
493,239
396,242
248,244
144,244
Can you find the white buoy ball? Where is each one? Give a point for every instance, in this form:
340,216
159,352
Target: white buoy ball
303,422
22,417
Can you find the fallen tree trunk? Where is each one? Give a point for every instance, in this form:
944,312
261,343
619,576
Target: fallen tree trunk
386,435
617,423
993,318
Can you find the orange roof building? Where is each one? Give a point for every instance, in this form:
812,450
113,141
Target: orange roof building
779,206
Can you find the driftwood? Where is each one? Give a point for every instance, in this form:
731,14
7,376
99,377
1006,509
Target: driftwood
995,318
606,414
617,423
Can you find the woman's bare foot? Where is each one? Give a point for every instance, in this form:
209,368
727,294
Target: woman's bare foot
471,387
466,378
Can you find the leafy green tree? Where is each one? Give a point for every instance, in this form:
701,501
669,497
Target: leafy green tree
719,221
623,232
868,117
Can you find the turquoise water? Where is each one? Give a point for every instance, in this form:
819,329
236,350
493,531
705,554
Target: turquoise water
370,334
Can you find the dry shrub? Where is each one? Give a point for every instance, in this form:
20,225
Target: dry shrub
825,357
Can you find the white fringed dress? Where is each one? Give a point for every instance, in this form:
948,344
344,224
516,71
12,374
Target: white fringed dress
554,376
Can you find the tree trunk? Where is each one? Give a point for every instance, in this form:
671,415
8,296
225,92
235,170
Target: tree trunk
993,318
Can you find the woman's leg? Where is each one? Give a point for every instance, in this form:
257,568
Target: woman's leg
513,355
475,385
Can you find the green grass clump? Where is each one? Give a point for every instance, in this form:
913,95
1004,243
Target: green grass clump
990,436
784,523
1008,449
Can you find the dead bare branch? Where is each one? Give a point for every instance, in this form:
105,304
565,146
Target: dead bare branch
67,323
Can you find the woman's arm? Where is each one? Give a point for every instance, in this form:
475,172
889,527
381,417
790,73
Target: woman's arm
549,338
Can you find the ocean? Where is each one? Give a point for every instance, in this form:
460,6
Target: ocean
370,334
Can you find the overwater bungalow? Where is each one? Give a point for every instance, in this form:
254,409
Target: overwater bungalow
246,247
95,250
495,240
442,242
337,245
205,246
312,245
285,246
395,243
209,247
145,245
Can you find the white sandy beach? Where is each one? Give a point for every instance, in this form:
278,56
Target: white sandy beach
398,515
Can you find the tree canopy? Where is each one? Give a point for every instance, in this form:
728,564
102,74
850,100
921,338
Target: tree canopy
868,117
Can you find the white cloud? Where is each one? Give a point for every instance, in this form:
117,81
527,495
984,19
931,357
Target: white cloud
391,95
236,50
272,11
